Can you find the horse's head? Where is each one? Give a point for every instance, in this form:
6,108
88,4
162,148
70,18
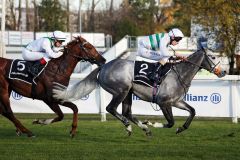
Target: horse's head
83,50
208,64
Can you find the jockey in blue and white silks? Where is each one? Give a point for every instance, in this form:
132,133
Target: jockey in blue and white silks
155,47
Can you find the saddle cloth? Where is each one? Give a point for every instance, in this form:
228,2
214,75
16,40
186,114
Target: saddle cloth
19,71
142,71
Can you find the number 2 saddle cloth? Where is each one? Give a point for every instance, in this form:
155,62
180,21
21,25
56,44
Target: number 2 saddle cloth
144,70
19,70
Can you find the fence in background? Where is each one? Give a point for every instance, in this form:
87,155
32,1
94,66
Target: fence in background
210,96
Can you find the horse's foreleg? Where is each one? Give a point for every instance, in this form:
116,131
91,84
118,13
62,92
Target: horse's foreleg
112,109
167,112
183,105
127,112
75,117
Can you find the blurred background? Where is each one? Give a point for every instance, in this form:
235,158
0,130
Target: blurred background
114,26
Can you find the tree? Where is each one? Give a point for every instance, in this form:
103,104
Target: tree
13,21
68,14
218,17
52,16
27,16
91,21
181,19
36,21
19,14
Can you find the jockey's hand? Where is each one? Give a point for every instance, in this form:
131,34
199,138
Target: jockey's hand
58,54
172,58
57,49
182,58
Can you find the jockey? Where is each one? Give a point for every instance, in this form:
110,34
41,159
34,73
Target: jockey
155,47
42,50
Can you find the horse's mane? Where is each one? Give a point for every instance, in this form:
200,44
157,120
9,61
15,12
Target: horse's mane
193,54
74,41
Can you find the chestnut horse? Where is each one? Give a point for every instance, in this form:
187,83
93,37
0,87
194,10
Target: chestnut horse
57,70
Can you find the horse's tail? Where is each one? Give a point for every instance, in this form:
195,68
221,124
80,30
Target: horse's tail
78,90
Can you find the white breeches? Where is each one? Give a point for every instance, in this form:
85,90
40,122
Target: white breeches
33,55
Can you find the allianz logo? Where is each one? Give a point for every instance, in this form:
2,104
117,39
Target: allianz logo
215,98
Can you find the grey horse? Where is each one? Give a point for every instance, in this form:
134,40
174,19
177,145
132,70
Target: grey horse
116,77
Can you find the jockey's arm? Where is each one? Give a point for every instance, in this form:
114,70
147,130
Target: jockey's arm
50,53
164,52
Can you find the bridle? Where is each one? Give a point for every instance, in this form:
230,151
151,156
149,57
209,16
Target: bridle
86,56
200,66
184,85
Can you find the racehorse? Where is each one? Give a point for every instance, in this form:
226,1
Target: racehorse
57,70
116,77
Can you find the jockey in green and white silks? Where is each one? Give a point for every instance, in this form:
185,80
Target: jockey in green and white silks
42,50
155,47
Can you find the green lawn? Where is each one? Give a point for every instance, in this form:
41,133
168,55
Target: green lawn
213,139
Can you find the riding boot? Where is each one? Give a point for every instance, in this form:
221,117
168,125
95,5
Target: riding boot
154,76
35,68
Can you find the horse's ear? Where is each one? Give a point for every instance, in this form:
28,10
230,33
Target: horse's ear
76,38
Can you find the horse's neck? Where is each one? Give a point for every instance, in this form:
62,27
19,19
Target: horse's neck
187,71
65,65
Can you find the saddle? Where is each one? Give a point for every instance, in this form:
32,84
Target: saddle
20,70
144,71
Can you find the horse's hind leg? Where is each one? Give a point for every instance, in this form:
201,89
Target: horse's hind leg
6,111
127,112
55,107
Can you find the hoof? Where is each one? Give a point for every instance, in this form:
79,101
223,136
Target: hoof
31,136
179,130
40,121
72,134
18,132
129,130
146,122
36,121
129,133
149,134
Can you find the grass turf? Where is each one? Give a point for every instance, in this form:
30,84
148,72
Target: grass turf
205,139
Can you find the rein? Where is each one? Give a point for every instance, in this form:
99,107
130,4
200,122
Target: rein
205,54
212,68
183,84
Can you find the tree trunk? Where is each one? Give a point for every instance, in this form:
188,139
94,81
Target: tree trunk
36,27
13,15
27,17
19,15
231,65
68,14
91,18
111,9
91,22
